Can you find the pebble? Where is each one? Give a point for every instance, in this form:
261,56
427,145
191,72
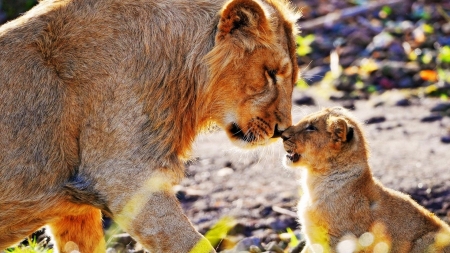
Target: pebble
225,172
381,41
445,139
115,247
348,104
305,100
124,239
254,249
406,82
265,211
375,119
431,118
403,102
386,83
273,247
282,222
246,243
441,107
446,28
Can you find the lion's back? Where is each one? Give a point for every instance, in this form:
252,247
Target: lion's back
31,106
48,57
63,58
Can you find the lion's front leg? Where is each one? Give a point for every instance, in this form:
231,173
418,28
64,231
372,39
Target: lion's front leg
79,233
153,216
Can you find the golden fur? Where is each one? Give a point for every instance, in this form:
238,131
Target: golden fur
342,202
100,101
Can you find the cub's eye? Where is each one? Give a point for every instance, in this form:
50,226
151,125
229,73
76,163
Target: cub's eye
310,128
273,75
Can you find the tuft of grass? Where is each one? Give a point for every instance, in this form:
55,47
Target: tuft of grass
220,230
293,238
33,247
304,44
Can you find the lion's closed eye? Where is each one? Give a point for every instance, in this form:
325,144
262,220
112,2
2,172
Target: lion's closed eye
271,76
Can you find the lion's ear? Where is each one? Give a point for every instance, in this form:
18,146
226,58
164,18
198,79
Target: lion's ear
340,131
243,19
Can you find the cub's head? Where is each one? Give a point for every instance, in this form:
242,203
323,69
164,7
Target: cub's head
253,69
330,138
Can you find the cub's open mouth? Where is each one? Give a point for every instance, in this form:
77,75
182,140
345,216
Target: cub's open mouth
294,157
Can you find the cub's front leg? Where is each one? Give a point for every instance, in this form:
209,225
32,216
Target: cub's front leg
307,249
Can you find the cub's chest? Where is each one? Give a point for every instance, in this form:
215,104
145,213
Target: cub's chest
311,212
313,222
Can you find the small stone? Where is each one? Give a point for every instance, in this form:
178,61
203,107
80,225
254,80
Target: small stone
396,51
273,247
405,82
339,96
265,211
380,41
305,100
406,26
360,37
187,194
246,243
281,223
111,250
445,28
115,247
386,83
403,102
254,249
225,172
376,119
378,104
441,107
445,139
443,40
431,118
124,239
348,104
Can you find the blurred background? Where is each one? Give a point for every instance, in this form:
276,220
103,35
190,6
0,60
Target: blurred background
367,47
10,9
361,47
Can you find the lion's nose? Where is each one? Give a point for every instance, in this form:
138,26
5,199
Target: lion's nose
277,132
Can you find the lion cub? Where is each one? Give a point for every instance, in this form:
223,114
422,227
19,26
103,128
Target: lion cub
345,209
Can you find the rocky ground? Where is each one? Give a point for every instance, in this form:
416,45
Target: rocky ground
389,62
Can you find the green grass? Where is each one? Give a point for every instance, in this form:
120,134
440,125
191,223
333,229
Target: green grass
33,247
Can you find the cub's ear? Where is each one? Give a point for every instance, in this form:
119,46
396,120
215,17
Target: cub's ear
244,20
340,131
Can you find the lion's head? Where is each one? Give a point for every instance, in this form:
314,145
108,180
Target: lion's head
253,69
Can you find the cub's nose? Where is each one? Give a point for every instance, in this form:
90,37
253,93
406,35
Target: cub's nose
285,136
277,132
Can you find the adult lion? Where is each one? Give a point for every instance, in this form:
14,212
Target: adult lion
100,101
